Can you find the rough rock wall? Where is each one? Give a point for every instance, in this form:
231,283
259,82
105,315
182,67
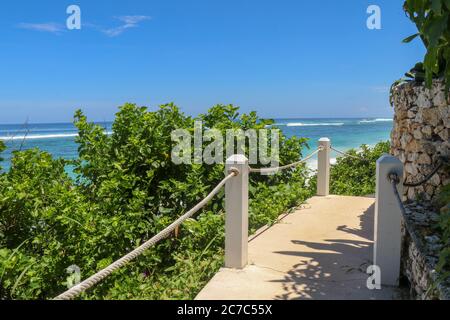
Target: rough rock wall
420,138
420,253
421,135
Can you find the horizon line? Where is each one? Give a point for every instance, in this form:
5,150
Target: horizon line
262,118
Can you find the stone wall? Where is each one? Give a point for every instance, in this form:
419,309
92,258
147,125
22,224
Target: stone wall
420,253
421,135
420,138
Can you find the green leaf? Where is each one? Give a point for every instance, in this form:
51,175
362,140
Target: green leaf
434,30
410,38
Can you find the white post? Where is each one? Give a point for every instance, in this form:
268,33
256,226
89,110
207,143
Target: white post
323,168
387,237
236,209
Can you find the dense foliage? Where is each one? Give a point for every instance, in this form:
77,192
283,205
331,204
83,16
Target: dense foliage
354,175
127,189
432,18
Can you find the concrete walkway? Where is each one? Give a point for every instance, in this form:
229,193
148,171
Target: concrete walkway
319,252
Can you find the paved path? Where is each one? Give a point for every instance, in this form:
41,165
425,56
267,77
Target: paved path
319,252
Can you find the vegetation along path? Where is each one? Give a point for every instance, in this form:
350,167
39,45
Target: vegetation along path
321,251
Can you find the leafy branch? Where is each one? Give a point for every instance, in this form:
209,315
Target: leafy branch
432,18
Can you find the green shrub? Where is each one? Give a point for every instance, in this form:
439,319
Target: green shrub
40,220
127,189
355,175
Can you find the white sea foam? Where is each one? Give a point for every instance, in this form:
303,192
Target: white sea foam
22,130
301,124
276,125
38,136
375,120
41,136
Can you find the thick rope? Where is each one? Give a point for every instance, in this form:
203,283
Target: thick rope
292,165
395,181
349,155
102,274
427,178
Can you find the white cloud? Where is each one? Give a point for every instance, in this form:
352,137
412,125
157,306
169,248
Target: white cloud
133,19
114,32
43,27
128,23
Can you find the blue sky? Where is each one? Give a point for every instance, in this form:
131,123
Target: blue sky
283,58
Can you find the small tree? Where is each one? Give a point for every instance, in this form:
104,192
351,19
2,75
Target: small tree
432,18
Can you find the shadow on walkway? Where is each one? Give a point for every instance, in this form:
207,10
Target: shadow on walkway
319,252
336,269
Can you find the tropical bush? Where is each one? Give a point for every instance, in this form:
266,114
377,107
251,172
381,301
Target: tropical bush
126,190
432,18
354,175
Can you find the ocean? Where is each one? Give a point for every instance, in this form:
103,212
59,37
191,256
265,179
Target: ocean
59,138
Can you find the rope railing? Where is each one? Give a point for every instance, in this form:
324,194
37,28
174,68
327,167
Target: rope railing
295,164
102,274
389,252
441,163
288,166
395,181
427,178
348,154
236,212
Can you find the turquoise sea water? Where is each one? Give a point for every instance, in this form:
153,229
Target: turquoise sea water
59,138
